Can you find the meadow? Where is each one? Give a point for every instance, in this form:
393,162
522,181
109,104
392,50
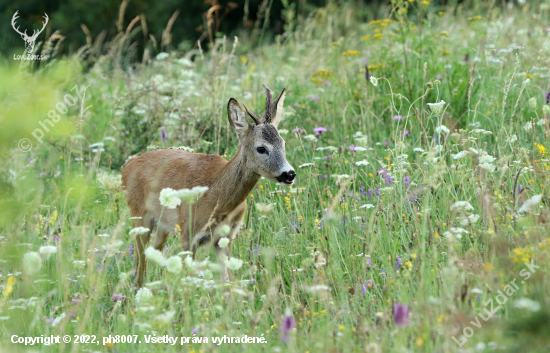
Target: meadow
419,221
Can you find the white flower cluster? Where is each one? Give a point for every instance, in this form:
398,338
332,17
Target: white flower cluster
173,264
171,198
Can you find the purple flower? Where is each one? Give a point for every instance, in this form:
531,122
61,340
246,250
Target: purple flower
397,117
252,280
388,179
29,160
319,130
363,193
386,143
366,286
377,190
56,239
117,297
72,315
50,321
298,130
398,263
406,133
313,98
520,189
400,314
194,331
406,182
76,301
327,83
42,175
163,134
131,250
287,324
369,192
352,147
547,97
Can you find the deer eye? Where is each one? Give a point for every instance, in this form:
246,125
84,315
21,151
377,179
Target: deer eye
261,150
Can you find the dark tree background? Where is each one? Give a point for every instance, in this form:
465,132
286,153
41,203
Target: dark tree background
67,16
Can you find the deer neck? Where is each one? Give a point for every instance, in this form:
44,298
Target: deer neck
235,183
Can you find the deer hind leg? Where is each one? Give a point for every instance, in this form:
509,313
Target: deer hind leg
161,238
200,239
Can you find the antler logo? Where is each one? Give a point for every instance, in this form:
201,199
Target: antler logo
29,40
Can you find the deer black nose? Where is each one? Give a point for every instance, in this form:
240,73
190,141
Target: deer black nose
287,177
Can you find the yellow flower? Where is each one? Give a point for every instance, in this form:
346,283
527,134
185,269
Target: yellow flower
341,327
445,33
425,2
323,73
419,341
446,52
244,59
366,37
529,76
351,52
378,36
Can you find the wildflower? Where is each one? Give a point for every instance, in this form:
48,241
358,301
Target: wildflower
362,188
437,108
369,193
166,317
287,324
224,230
117,297
526,303
460,154
400,314
155,255
461,206
351,53
223,243
47,250
169,198
363,162
528,205
298,130
314,98
139,230
397,117
162,56
31,262
406,133
264,208
487,159
143,295
528,126
406,181
174,265
377,190
547,97
532,103
398,263
233,263
442,129
190,196
318,131
368,205
374,81
388,179
109,181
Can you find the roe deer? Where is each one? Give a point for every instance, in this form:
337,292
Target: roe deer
261,153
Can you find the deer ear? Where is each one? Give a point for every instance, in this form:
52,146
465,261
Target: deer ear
237,118
277,108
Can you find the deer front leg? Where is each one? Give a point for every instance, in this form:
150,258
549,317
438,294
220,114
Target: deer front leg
141,261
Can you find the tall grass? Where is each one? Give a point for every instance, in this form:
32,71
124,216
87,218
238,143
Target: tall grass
403,223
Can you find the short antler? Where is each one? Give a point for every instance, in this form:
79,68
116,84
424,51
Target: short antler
268,108
254,117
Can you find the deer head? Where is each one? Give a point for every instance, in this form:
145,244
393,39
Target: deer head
262,147
29,41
